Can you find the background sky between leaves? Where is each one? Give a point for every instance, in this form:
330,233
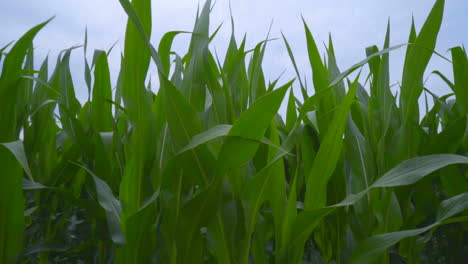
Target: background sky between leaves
354,25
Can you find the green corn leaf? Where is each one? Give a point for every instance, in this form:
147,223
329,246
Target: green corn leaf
219,106
137,99
445,79
17,149
181,115
416,61
235,76
11,74
256,192
208,135
2,50
208,168
291,56
11,206
411,171
320,79
328,154
318,69
334,71
101,112
193,84
289,216
87,69
356,150
251,125
193,216
460,72
112,207
370,249
184,124
277,194
11,196
164,49
64,85
138,24
408,172
140,234
257,86
291,115
363,62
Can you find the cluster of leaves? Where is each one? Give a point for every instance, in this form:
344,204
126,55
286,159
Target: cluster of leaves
205,170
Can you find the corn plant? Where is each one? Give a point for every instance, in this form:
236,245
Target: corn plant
203,169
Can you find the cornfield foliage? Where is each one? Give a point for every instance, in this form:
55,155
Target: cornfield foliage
204,169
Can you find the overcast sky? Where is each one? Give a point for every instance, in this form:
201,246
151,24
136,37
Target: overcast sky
354,25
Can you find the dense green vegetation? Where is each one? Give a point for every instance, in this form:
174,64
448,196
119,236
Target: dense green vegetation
204,169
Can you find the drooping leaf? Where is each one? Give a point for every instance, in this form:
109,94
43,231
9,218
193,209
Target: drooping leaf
112,207
371,248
